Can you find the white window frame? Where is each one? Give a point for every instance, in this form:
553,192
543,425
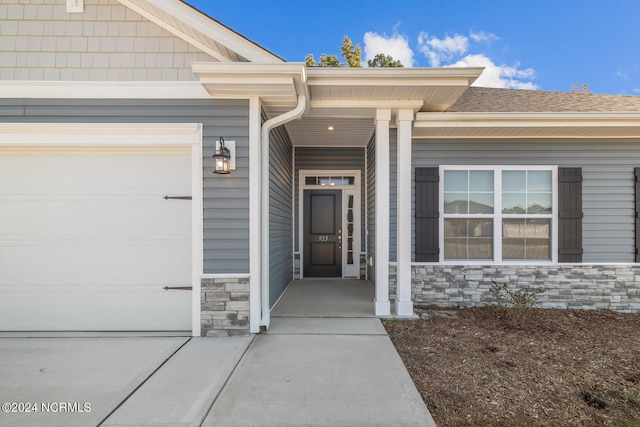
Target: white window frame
497,215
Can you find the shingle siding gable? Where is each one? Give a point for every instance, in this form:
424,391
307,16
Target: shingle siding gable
108,42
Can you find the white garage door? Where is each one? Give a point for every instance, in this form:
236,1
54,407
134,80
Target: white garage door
87,241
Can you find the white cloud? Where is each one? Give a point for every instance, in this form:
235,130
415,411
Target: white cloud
622,74
500,76
395,45
441,50
483,36
453,51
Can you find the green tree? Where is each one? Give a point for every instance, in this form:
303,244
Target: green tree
325,61
352,55
384,61
576,88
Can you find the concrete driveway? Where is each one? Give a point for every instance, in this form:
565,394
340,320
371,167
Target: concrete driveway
103,381
304,371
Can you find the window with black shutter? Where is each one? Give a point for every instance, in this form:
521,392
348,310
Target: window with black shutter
426,214
637,194
570,215
515,226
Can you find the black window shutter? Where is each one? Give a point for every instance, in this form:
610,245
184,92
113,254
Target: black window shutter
426,215
637,193
570,215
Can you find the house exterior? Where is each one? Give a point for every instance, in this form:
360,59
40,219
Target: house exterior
111,217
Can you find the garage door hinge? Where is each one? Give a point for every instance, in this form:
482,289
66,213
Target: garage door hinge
177,197
178,288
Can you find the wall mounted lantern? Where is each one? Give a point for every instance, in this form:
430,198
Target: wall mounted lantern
222,158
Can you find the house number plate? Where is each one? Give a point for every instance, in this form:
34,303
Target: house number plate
323,238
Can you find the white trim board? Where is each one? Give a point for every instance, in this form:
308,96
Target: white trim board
102,90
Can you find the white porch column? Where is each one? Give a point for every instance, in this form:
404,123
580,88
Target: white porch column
255,246
404,305
383,306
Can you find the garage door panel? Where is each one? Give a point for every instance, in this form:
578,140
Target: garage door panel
91,247
119,172
20,217
105,310
119,219
115,263
20,172
67,219
159,222
65,171
160,175
159,256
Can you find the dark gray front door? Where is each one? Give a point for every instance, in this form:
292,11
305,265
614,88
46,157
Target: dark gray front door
322,233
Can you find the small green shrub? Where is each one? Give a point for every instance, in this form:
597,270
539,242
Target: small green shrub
515,302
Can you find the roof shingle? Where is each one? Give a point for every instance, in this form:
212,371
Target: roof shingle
494,100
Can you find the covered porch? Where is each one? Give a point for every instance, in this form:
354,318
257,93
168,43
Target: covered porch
326,111
328,298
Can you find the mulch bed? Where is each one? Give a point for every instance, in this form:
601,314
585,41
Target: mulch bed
473,366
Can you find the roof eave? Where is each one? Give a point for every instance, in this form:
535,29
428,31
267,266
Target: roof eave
203,24
398,76
528,125
277,85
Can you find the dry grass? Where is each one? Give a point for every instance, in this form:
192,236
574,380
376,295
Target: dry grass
562,368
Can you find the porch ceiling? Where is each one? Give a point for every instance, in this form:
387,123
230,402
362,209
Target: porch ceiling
345,99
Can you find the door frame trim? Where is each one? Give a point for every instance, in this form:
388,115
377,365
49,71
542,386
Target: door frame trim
355,189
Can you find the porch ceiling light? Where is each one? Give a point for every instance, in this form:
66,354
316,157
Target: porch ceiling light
222,159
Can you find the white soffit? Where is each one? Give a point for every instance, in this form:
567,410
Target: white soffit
433,89
345,99
201,31
527,125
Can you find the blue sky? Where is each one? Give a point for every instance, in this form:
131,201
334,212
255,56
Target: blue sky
527,44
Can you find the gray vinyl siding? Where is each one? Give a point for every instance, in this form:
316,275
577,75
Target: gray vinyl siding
371,209
280,213
332,158
226,197
608,181
393,193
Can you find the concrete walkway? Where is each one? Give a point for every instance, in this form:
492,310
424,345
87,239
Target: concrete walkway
311,371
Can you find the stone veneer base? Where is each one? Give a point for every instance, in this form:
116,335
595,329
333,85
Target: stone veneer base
224,307
574,286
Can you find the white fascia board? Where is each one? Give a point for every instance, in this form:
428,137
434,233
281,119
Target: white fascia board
102,90
395,76
206,26
414,105
526,125
400,77
431,120
247,70
237,77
